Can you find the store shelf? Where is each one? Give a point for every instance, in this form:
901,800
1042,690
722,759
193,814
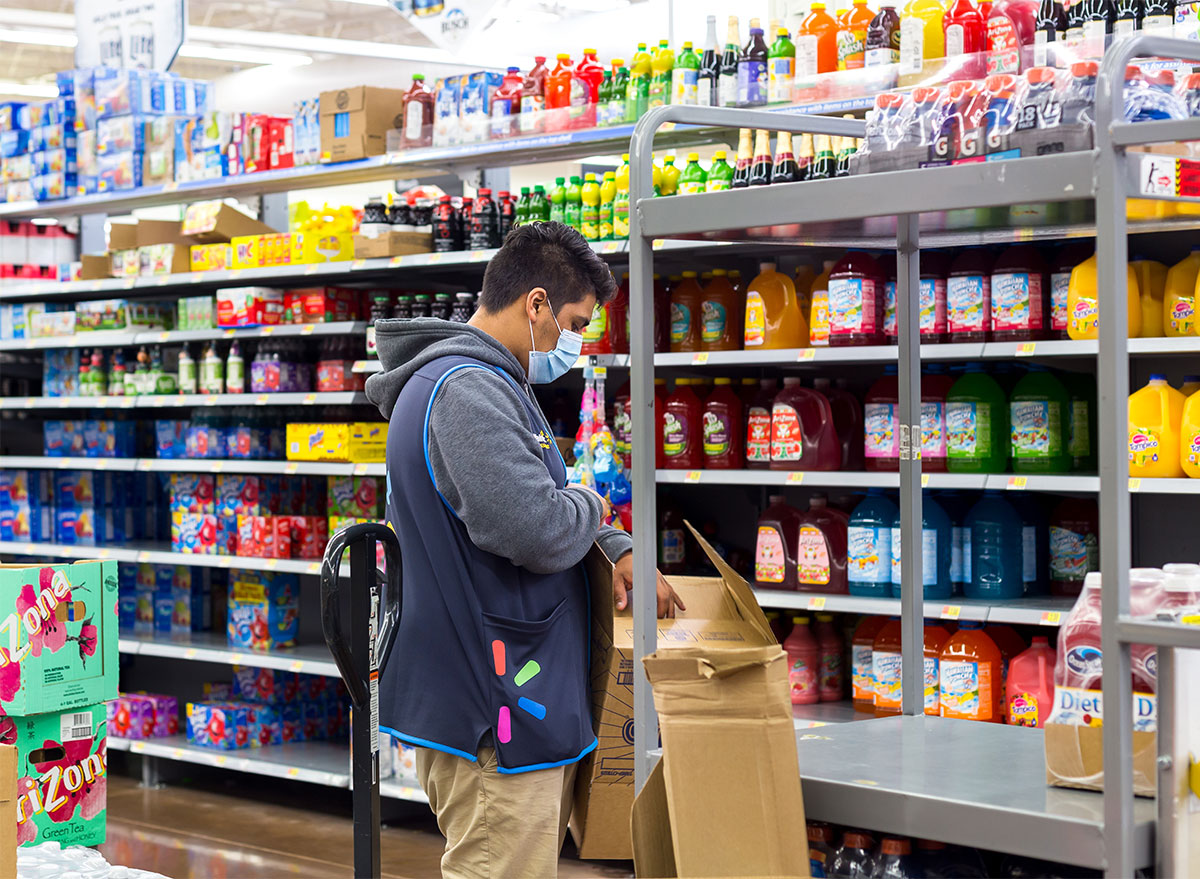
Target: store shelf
174,337
37,462
825,713
213,647
957,781
400,791
1044,482
321,763
158,556
192,465
1040,611
857,354
816,478
174,401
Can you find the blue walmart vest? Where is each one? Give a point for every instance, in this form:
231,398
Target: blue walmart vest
483,646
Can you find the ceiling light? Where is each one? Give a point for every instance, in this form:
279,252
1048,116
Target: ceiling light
28,89
64,39
368,2
244,56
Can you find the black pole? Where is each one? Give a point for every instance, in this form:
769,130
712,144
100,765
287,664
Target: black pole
364,740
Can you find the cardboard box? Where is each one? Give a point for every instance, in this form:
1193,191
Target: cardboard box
1074,738
94,266
8,810
214,222
64,755
392,244
359,442
355,121
211,257
729,746
122,236
148,232
73,662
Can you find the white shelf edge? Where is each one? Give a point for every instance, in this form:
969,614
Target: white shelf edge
193,465
1044,610
399,791
190,401
119,338
158,556
284,660
278,761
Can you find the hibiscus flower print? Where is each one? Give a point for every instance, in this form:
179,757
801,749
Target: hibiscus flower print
87,639
52,634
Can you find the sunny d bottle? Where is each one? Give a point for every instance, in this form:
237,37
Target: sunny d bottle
781,68
816,44
685,77
773,317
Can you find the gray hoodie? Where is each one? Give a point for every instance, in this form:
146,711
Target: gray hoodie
485,461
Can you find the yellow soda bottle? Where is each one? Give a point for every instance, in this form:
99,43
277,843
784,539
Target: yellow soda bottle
669,183
1155,427
1152,283
608,193
590,214
1179,298
621,201
1083,301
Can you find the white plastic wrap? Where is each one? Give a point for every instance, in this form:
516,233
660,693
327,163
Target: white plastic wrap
49,860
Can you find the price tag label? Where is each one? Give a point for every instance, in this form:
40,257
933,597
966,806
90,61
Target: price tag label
218,466
104,553
262,399
163,280
291,468
96,285
308,329
1135,483
795,478
924,480
659,244
170,186
360,469
190,653
396,261
1026,349
358,264
268,331
950,611
314,568
1051,618
176,753
435,258
130,283
142,464
221,760
164,337
143,556
692,476
805,354
1017,483
293,771
309,399
610,247
210,400
700,359
271,564
480,255
1024,234
229,334
816,602
235,273
600,371
311,270
296,666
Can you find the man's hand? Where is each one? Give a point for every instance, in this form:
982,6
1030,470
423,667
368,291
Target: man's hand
623,585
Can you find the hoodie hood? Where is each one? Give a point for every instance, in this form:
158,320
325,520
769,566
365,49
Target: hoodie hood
404,346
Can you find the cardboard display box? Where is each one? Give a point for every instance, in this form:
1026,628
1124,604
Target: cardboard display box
8,810
94,266
392,244
355,121
214,222
1074,738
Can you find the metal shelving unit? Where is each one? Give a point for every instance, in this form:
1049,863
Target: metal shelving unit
1046,610
213,647
191,465
156,554
117,339
189,401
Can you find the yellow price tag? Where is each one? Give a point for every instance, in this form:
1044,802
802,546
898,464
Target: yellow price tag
309,399
235,273
1050,618
610,247
297,666
190,653
268,331
924,480
314,568
176,753
210,400
308,329
950,611
311,270
104,553
1025,349
816,602
395,261
600,371
293,771
1017,483
291,468
435,258
480,255
1025,234
229,334
262,399
360,469
1135,483
163,280
700,359
164,337
271,564
806,354
170,186
143,556
218,466
358,264
795,478
221,760
692,476
237,659
659,244
130,283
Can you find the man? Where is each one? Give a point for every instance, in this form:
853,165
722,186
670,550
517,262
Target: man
489,671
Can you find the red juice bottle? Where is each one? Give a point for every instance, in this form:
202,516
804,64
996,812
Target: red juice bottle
1011,26
723,428
775,546
856,301
803,656
847,421
965,29
969,297
803,436
935,385
683,434
1020,289
821,549
931,297
660,415
506,104
585,90
758,425
533,97
618,318
831,677
558,94
418,115
887,267
881,436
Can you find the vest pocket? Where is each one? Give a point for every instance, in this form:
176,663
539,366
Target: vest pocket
539,688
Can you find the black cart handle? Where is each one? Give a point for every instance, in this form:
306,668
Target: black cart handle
331,616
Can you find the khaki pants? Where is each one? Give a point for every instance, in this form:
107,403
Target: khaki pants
496,826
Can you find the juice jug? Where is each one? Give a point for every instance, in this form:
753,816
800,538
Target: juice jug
969,675
881,439
935,386
672,540
1065,261
1074,544
803,657
558,94
936,545
960,539
758,425
997,549
1083,302
773,317
1039,413
775,548
977,434
852,37
585,90
921,36
969,297
1011,645
1020,293
965,29
1010,29
590,211
883,37
829,645
662,64
1035,543
1179,298
931,297
887,268
723,434
803,436
856,301
683,434
936,637
1155,425
1029,691
818,313
533,97
869,546
686,308
821,548
685,77
862,676
816,44
418,113
885,668
721,313
1189,443
847,421
1191,384
1152,286
1082,388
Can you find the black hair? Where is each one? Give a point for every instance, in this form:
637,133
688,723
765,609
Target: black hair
549,255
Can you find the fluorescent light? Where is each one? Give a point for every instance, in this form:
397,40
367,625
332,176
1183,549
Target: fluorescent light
244,56
28,89
65,39
319,45
368,2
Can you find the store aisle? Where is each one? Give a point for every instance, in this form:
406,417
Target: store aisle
189,832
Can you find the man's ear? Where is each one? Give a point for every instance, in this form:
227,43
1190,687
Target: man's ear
535,300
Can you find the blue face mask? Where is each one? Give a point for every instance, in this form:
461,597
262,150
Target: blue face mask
548,366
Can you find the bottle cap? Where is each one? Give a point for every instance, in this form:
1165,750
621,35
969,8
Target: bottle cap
485,193
610,175
693,157
1157,377
892,846
589,178
589,51
563,57
618,62
687,44
419,77
720,382
510,70
720,155
1084,68
720,273
800,620
856,839
690,274
1164,78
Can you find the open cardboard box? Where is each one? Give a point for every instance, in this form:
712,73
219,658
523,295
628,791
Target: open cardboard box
734,757
8,810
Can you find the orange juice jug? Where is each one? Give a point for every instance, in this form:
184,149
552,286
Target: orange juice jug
773,317
970,675
816,44
818,308
1083,302
1179,296
852,37
1155,423
1152,284
721,313
686,308
1189,443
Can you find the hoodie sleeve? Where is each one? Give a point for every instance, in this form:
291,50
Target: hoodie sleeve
487,464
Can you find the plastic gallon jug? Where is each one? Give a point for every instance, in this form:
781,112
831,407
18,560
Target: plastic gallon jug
818,309
869,545
969,296
773,317
935,386
829,645
803,662
847,421
1083,302
1035,542
775,547
1179,296
1074,544
1039,415
1079,662
1064,262
721,315
935,551
1155,424
881,437
887,268
686,307
977,433
856,301
885,668
821,549
1020,295
722,428
683,431
861,675
1152,287
1189,443
936,637
960,539
969,675
997,551
1029,690
931,297
1191,384
758,425
803,436
1082,427
1011,645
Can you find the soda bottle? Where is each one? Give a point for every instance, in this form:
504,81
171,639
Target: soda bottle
533,97
590,210
608,192
854,858
693,180
558,201
745,156
816,44
508,213
539,206
752,69
1051,32
921,36
781,68
662,64
965,32
621,201
445,223
637,92
521,214
760,168
720,173
558,95
585,90
803,657
669,184
785,169
604,100
727,79
617,90
573,204
418,115
708,90
883,37
685,78
852,36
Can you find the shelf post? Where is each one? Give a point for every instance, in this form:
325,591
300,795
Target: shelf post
908,422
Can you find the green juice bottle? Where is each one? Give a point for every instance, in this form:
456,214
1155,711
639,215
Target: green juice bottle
1039,412
693,180
781,69
977,433
617,91
522,212
573,200
590,196
539,206
637,91
558,201
685,77
720,173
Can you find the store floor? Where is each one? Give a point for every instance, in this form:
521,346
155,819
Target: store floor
190,830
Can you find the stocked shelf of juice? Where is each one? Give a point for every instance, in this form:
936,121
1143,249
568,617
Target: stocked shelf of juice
143,716
80,507
1164,429
169,600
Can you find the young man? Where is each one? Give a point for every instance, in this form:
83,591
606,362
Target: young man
489,671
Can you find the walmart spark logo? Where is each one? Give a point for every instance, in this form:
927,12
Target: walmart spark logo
528,672
544,440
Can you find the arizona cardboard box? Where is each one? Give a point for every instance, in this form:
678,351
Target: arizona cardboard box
8,810
58,636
